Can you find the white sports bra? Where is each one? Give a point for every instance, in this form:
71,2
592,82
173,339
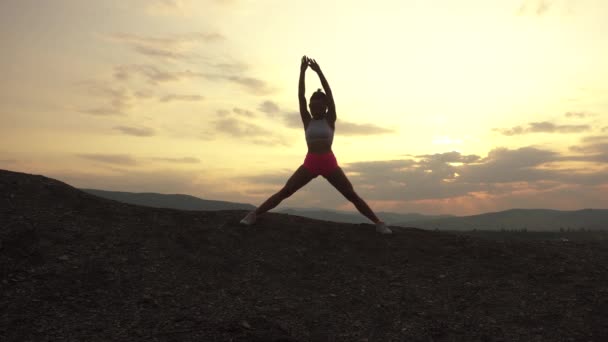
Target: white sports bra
319,130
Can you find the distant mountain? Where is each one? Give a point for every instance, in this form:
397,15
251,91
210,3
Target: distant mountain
518,219
356,217
514,219
173,201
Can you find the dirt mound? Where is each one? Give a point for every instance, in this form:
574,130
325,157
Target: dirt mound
74,266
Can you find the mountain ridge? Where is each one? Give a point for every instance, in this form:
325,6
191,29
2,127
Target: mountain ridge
531,219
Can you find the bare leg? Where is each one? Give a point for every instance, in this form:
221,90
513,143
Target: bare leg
300,178
338,179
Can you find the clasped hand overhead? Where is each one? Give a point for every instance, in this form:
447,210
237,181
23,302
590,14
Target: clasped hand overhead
306,62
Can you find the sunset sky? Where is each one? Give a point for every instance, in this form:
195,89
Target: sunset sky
443,106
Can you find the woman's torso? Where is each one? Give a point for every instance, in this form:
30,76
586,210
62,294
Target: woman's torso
319,136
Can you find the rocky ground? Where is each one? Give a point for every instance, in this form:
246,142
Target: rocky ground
76,267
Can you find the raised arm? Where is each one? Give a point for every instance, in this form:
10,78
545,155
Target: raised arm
331,106
306,117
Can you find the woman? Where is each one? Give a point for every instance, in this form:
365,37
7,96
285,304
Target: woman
320,160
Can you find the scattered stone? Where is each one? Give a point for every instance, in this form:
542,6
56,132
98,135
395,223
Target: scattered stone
245,325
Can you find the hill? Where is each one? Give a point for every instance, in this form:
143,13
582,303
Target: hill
519,219
74,266
175,201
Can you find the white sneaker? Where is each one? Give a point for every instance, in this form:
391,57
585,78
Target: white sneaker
249,219
382,228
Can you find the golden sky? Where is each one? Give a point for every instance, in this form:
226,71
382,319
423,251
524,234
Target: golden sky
443,106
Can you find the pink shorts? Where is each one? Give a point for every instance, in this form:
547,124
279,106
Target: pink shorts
321,164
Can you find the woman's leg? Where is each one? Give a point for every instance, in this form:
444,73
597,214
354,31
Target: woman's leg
338,179
300,178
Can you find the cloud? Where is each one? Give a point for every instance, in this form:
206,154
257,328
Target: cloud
175,97
178,7
168,7
116,100
536,7
136,131
505,177
152,74
294,120
450,157
594,148
243,112
183,160
118,159
236,111
578,114
605,129
269,107
351,128
449,182
166,48
248,131
253,85
543,127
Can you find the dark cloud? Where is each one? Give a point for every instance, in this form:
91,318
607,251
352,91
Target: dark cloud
269,107
175,97
503,165
543,127
521,157
118,159
450,157
451,175
136,131
593,148
183,160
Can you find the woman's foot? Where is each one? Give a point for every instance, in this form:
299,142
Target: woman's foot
382,228
249,219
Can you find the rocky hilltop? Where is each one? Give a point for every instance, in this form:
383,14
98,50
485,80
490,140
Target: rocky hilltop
76,267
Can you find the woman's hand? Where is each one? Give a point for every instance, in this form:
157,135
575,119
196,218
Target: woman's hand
304,64
313,65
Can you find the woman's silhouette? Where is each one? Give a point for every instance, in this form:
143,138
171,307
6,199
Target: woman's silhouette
320,160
